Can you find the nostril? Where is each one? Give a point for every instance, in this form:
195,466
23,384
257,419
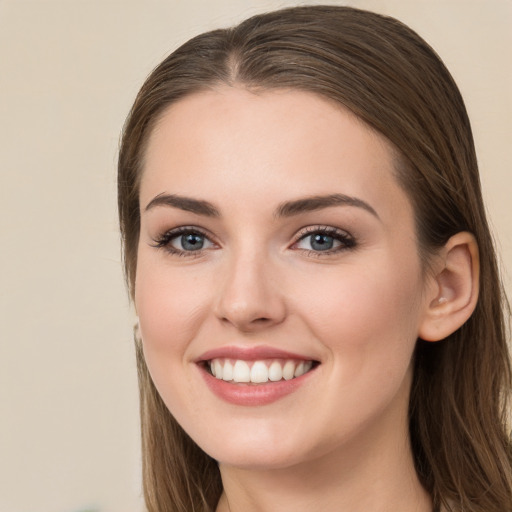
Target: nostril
261,320
248,325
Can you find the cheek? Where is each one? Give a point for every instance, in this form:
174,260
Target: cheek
369,313
170,307
169,304
367,321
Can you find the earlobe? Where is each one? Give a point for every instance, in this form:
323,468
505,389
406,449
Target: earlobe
456,287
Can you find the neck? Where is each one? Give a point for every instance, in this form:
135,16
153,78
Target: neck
374,472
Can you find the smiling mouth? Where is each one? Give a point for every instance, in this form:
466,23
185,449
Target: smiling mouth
259,371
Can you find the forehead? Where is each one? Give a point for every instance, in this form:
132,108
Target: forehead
270,142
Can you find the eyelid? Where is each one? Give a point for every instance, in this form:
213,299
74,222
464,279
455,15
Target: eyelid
163,240
347,240
322,228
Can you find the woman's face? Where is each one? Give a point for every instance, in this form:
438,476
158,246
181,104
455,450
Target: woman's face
275,240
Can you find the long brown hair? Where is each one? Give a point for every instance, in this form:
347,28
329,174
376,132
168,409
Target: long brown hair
392,80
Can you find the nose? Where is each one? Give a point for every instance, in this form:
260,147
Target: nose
250,297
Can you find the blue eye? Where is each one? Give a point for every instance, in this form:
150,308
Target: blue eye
184,241
328,240
320,242
189,242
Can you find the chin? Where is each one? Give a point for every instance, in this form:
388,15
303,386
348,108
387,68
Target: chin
258,449
257,459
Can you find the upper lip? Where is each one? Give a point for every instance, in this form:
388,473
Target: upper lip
250,354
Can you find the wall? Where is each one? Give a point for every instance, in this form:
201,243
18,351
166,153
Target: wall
69,71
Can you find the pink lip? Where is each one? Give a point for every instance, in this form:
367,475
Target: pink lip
250,354
252,394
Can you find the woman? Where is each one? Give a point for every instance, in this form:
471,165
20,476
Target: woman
321,317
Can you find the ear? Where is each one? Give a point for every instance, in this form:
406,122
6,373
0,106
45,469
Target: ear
453,296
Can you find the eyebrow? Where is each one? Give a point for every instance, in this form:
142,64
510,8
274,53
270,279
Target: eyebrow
308,204
188,204
286,209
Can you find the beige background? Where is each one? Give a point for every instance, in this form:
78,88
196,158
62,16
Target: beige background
68,73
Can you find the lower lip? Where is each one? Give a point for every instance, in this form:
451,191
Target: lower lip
253,394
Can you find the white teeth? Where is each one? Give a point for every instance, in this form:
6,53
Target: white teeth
299,370
258,372
241,372
288,370
218,369
303,368
275,372
227,372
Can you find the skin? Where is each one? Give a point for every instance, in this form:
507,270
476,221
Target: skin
340,441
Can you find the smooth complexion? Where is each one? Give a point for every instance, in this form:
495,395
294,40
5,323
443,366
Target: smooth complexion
232,260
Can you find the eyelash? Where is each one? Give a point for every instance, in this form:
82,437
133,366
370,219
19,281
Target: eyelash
346,241
164,241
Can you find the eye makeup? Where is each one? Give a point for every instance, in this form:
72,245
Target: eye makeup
187,241
317,241
323,241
